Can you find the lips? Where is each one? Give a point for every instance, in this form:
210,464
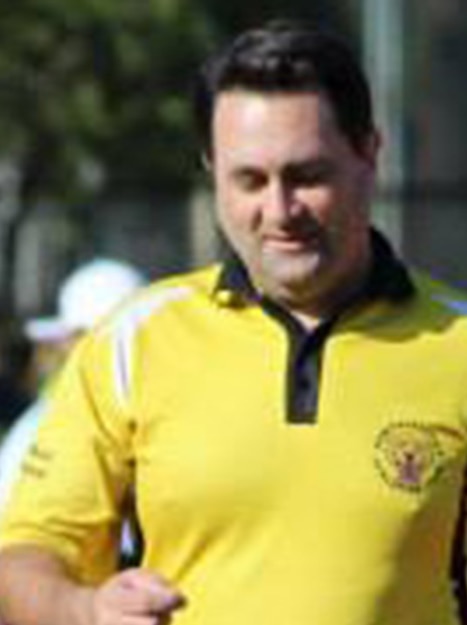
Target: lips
292,241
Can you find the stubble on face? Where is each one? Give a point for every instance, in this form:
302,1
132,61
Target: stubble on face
288,270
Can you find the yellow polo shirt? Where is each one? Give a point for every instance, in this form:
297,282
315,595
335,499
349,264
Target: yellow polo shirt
349,518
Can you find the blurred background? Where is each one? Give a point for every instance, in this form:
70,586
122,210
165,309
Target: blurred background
98,154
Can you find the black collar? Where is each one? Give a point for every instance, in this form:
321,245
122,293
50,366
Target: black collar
388,279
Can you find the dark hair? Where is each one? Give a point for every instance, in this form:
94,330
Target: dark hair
288,57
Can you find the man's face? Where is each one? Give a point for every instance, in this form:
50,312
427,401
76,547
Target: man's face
292,193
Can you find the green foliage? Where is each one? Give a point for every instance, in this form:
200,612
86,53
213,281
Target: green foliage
103,86
98,81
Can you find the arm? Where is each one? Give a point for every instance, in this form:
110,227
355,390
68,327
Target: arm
36,589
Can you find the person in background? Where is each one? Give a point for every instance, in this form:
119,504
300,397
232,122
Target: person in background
292,419
89,293
17,379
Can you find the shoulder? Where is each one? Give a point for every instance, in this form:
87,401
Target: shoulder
160,297
441,296
439,313
109,353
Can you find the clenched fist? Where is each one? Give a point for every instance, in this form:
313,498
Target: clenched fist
135,597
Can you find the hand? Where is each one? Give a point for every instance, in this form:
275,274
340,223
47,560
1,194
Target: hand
135,597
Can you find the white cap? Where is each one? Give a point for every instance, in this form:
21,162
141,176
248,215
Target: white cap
88,294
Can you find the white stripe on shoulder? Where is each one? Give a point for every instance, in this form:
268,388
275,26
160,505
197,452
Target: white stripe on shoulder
125,324
456,305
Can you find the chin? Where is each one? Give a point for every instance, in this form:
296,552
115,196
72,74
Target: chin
291,287
293,272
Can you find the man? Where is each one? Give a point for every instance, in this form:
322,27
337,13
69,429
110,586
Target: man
293,421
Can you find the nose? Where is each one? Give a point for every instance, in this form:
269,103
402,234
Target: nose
280,204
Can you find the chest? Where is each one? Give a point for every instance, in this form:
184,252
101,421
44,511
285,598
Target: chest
386,442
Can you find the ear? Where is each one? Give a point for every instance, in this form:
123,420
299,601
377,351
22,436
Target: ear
372,146
206,162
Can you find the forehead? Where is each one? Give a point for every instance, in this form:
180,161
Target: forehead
251,123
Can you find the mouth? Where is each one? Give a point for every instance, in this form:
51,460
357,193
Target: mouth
292,242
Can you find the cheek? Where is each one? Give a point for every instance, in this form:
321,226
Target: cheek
345,203
322,204
235,211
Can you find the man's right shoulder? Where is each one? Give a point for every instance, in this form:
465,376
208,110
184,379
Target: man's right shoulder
201,280
153,301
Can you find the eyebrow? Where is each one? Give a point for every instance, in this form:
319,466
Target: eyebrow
306,164
318,162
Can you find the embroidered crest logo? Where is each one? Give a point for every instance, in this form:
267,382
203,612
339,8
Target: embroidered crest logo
408,456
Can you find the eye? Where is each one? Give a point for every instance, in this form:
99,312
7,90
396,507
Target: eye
309,175
249,179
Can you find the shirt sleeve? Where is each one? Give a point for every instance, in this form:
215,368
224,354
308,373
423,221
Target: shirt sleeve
74,479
